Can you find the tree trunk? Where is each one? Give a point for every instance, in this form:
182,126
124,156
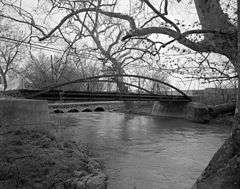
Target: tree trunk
237,68
119,80
212,17
237,110
4,82
4,79
223,171
121,86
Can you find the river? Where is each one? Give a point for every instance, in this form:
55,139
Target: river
144,152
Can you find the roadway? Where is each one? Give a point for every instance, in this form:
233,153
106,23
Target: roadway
81,96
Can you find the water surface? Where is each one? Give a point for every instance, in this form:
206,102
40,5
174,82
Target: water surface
142,151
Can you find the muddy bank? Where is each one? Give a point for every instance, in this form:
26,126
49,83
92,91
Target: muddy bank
36,159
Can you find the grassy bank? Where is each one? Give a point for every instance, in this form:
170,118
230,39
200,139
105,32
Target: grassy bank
34,158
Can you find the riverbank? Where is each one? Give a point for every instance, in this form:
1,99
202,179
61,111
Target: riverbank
227,120
33,158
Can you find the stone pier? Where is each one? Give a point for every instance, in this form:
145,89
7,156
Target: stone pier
192,111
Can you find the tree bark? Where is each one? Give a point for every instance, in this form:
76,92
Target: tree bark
4,82
223,171
237,67
212,17
4,78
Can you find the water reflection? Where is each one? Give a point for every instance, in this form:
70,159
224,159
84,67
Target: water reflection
142,151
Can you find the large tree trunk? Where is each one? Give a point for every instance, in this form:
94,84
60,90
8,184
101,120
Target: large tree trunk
4,79
119,80
237,68
223,171
4,82
121,85
212,17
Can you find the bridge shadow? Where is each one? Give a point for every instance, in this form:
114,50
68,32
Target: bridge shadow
87,110
57,111
99,109
73,111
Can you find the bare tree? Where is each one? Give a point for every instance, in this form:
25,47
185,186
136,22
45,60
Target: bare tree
104,33
10,51
218,32
44,70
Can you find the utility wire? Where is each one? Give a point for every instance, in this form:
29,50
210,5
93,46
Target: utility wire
52,49
30,44
38,46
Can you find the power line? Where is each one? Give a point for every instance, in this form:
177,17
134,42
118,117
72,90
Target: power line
34,45
31,44
41,47
52,49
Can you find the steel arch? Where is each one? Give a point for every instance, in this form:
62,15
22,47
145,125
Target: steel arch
46,89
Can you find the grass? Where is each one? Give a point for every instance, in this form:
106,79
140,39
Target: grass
34,158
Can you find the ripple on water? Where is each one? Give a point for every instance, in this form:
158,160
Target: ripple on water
143,151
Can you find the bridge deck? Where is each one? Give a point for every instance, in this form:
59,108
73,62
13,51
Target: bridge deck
74,96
